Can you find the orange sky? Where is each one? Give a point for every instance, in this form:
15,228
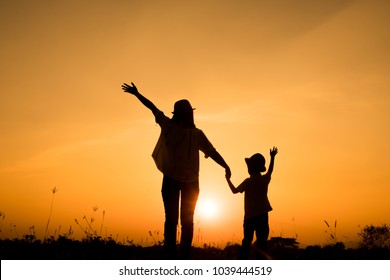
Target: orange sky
310,77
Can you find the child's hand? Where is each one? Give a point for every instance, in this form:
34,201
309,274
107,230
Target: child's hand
228,173
273,151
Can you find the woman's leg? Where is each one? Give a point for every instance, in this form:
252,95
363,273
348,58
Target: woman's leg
170,194
189,197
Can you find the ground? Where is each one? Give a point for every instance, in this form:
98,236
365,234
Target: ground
98,249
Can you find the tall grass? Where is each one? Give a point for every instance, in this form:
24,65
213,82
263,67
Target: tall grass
53,190
331,232
87,225
2,218
101,226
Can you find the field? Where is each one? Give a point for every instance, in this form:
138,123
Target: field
374,245
64,248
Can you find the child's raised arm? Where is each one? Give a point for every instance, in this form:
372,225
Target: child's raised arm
272,153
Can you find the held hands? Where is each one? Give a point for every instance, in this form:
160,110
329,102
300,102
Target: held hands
130,89
228,173
273,151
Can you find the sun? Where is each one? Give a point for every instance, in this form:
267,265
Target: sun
207,208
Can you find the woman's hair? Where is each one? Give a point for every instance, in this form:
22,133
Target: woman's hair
183,114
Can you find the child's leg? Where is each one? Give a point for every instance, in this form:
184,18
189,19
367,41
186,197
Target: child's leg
189,197
262,231
170,194
248,238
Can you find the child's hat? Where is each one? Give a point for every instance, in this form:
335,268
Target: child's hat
256,161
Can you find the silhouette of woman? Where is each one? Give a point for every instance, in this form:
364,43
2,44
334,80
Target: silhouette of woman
177,156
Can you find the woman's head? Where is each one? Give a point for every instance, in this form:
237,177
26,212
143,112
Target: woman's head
183,114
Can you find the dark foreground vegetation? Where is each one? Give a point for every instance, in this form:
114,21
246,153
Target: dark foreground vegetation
98,249
374,245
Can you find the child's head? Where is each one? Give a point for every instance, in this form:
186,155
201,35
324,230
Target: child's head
255,163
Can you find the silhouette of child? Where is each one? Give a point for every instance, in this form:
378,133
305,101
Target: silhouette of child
177,156
256,203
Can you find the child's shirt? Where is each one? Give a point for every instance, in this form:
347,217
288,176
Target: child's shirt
256,200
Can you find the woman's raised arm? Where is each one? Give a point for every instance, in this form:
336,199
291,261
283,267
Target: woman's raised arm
134,91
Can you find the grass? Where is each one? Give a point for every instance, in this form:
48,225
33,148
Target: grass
93,248
331,231
375,244
53,190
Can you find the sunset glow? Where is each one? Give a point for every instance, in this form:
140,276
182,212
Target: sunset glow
207,209
310,77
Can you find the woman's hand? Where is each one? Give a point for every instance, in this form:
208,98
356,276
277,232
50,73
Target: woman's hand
130,89
228,173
